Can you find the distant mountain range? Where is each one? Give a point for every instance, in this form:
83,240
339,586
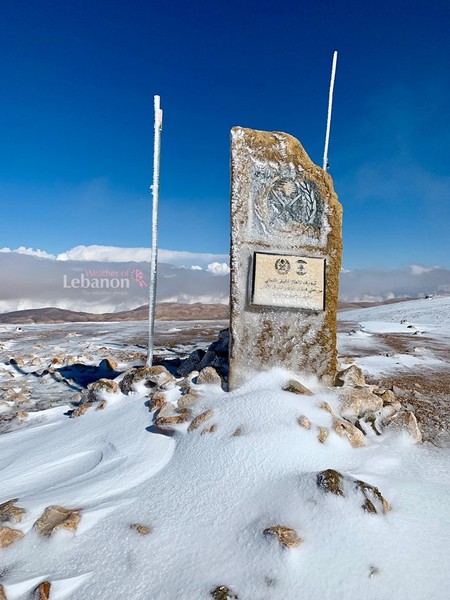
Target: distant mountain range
165,311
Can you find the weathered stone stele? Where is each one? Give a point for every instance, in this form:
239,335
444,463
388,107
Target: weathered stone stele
286,247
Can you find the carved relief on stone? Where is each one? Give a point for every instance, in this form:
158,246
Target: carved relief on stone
287,203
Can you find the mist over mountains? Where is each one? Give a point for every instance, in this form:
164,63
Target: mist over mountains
35,279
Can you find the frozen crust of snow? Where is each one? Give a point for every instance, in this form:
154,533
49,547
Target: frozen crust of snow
208,499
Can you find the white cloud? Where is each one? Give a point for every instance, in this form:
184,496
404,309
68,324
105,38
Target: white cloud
196,268
217,268
29,251
116,254
420,270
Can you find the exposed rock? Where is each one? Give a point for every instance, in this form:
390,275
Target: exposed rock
166,410
8,536
9,512
352,376
189,399
42,592
373,571
388,397
322,435
327,407
169,422
304,422
78,412
200,419
185,384
185,412
211,429
331,481
353,434
57,517
405,421
237,432
99,388
209,375
355,401
286,536
2,593
222,592
101,405
295,387
191,363
157,401
142,529
156,376
108,364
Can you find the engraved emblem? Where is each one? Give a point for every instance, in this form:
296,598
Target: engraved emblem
283,266
301,267
292,201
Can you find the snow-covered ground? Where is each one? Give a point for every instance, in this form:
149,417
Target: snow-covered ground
208,496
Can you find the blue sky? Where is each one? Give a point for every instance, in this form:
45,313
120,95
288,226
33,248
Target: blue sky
78,79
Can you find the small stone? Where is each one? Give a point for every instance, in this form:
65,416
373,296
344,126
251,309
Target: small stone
108,364
9,512
373,571
8,536
157,401
406,421
185,412
200,419
304,422
57,517
185,384
352,433
222,592
209,375
237,432
166,410
330,481
388,397
156,376
286,536
189,399
356,401
99,388
211,429
327,407
352,376
42,592
295,387
78,412
322,435
142,529
169,422
373,498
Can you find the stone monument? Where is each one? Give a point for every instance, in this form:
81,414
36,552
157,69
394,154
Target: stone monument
286,247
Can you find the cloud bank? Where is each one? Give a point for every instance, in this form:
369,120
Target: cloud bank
36,279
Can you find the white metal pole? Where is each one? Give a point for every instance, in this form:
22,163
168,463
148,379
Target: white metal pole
154,257
330,108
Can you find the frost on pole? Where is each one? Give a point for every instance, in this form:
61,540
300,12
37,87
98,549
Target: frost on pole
286,246
330,109
154,256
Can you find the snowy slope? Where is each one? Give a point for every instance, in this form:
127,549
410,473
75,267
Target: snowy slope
209,498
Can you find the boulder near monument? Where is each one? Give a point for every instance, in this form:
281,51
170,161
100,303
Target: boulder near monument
286,248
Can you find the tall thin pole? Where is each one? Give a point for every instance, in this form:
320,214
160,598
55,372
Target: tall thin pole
330,108
154,258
